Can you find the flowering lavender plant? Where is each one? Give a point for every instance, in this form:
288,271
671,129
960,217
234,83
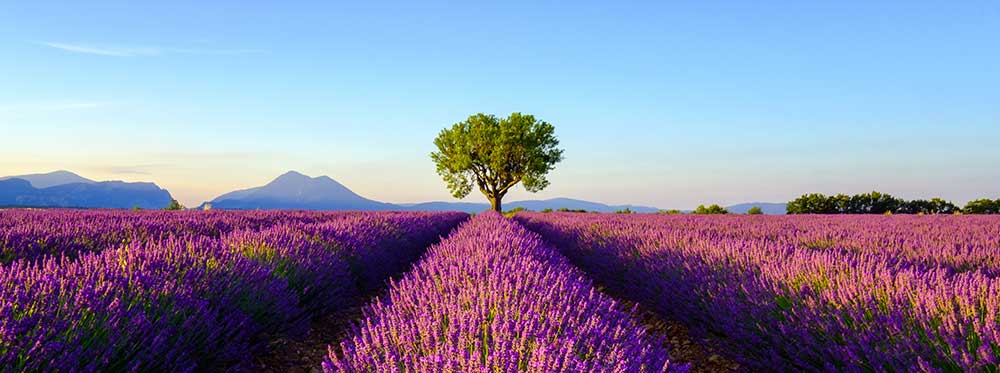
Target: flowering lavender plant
494,297
847,293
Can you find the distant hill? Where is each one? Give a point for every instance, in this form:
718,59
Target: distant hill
294,190
65,189
470,207
769,208
534,205
51,179
575,204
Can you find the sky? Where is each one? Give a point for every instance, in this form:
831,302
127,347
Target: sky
662,103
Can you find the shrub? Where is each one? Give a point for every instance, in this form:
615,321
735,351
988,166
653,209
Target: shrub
710,210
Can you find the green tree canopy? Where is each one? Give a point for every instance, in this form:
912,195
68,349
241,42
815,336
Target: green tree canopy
815,203
755,211
922,206
982,206
869,203
174,205
710,210
495,154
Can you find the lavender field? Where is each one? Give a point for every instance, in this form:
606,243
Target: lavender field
162,291
112,290
806,293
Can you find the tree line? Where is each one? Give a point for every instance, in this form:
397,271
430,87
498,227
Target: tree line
883,203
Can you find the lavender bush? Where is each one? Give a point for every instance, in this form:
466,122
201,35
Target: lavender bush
189,301
493,297
854,293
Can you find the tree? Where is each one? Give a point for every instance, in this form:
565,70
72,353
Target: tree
710,210
867,203
874,203
755,211
174,205
670,212
940,206
816,203
922,206
495,154
982,206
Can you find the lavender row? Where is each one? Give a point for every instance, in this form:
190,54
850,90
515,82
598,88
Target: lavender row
192,302
494,297
960,244
776,304
35,234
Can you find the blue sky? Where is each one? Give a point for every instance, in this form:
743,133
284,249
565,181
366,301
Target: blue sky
670,104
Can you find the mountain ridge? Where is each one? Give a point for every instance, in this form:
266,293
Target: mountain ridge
49,179
65,189
290,190
294,190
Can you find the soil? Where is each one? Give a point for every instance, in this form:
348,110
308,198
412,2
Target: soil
703,354
305,353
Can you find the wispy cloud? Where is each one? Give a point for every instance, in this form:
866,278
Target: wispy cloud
52,106
104,51
136,169
75,105
130,170
143,51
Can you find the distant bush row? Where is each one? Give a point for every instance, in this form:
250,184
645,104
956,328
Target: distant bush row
711,210
701,210
882,203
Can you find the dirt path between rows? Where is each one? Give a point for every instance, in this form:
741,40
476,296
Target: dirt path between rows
305,354
703,354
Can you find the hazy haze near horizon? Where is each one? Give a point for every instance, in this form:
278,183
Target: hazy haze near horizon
670,105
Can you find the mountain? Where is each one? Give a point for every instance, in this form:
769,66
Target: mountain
769,208
51,179
19,192
469,207
575,204
534,205
296,191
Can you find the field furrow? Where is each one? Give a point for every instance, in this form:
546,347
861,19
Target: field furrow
751,284
198,303
494,297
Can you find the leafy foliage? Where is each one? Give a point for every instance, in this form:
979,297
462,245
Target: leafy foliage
934,206
982,206
755,211
514,211
710,210
174,206
869,203
495,154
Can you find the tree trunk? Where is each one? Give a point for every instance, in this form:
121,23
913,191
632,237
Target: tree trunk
495,204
